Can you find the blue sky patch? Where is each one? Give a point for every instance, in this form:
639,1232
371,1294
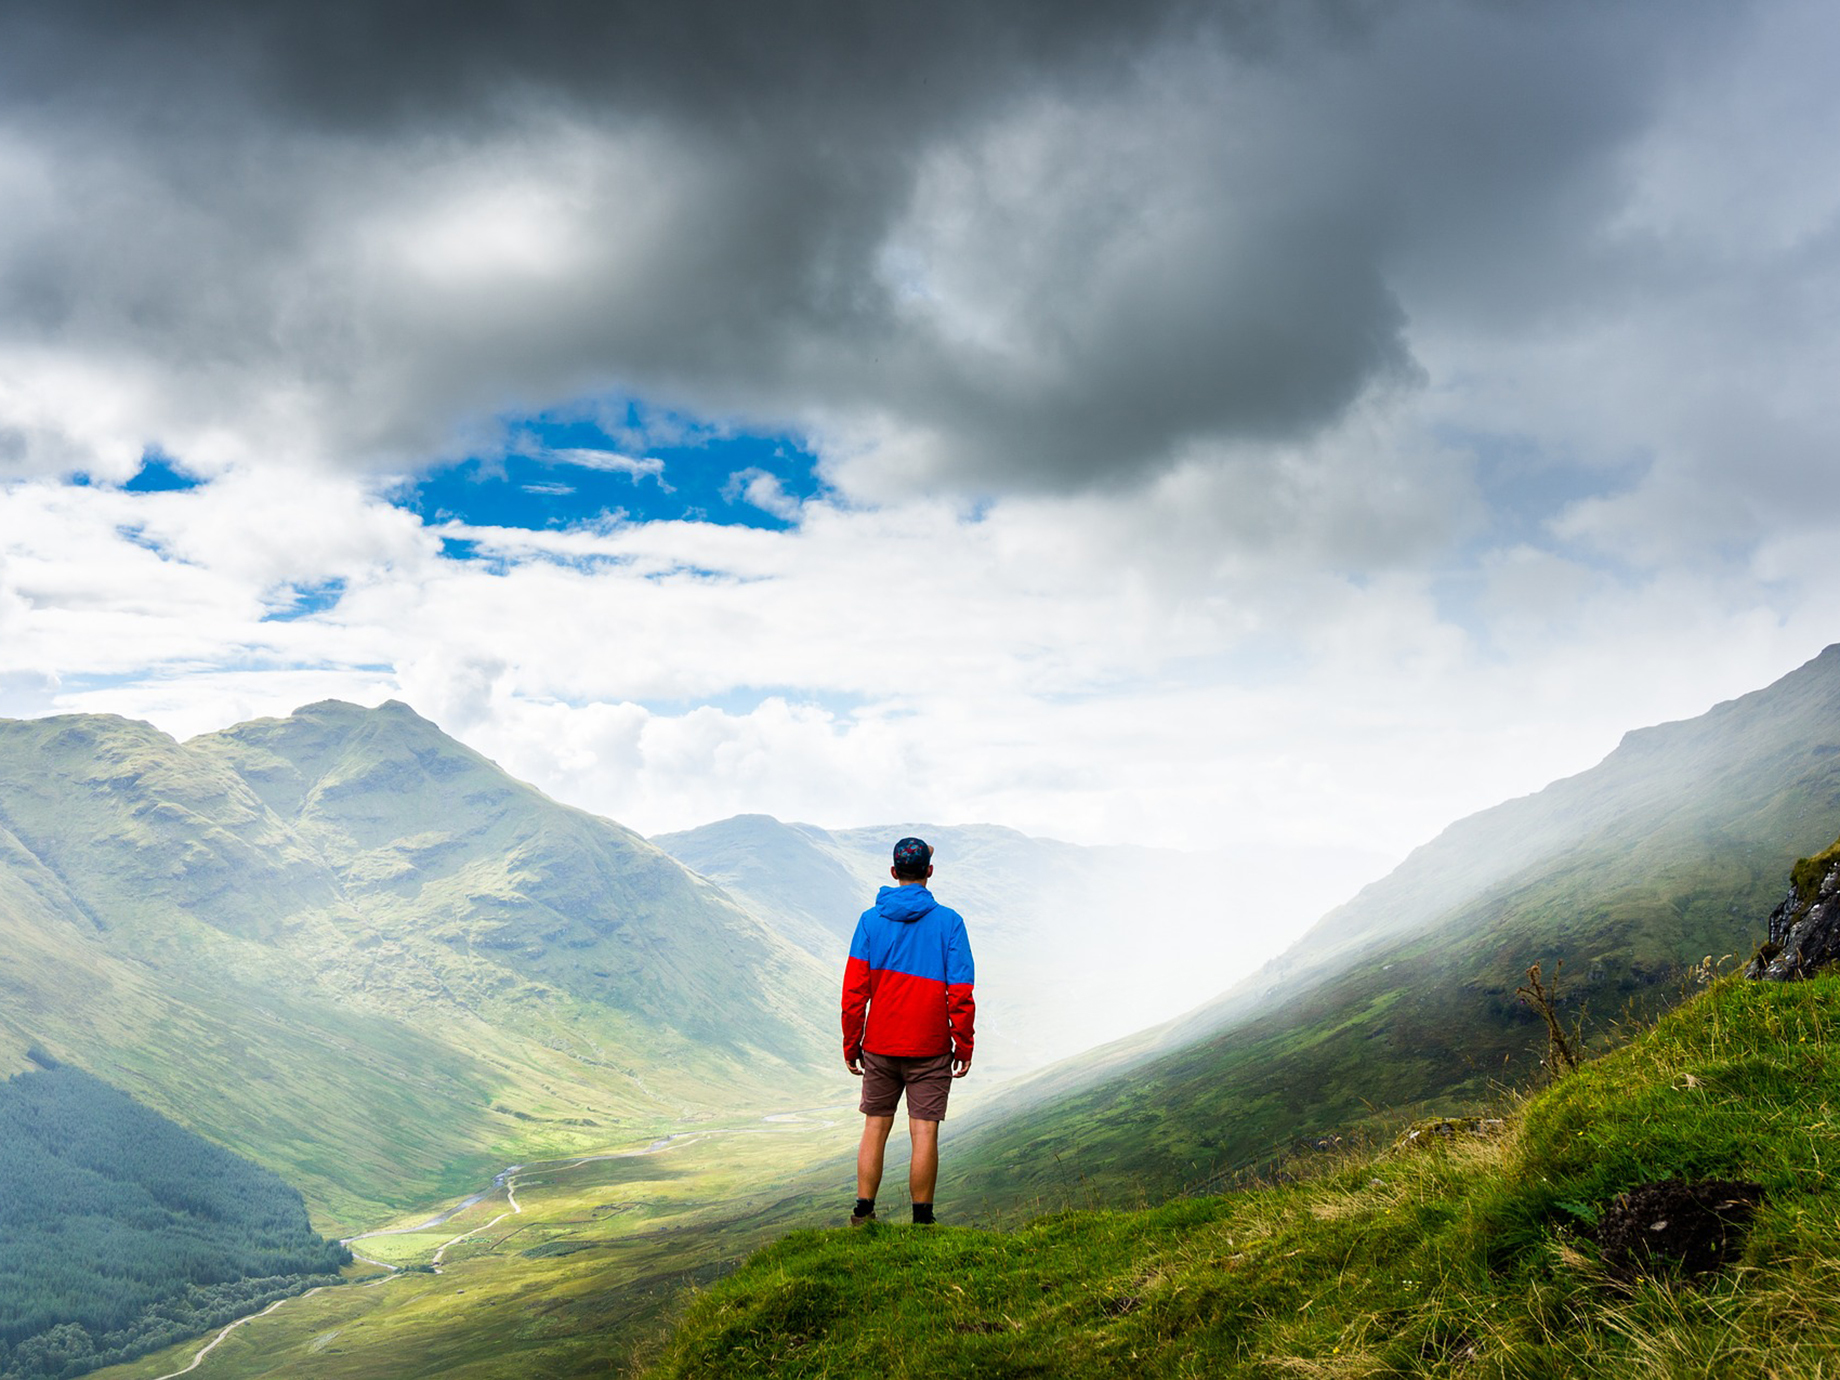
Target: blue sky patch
564,471
137,534
159,475
86,683
299,601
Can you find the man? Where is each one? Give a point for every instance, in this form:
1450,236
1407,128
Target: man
907,1023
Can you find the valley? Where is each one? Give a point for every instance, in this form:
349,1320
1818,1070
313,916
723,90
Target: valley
563,1268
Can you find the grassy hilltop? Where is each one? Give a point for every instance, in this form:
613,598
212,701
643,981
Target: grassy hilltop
1472,1254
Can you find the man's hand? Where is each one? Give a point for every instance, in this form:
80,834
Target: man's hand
960,1067
853,1065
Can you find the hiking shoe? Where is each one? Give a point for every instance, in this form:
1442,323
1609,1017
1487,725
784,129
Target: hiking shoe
862,1219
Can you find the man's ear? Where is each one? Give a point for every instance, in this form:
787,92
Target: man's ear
929,872
896,876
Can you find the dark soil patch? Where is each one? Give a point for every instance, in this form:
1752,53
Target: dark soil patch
1676,1225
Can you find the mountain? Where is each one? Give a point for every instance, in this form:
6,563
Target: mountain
355,950
504,897
1073,943
1403,999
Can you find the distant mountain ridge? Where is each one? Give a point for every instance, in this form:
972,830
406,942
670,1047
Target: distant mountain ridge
356,950
1671,849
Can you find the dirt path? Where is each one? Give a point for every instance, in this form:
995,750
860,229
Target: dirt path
440,1251
211,1345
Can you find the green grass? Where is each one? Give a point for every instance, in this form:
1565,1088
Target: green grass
1808,873
1466,1258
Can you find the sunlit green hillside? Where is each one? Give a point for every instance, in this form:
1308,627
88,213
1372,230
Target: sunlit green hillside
356,951
478,889
1472,1254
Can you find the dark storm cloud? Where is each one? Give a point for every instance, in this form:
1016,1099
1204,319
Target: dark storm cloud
1043,244
380,66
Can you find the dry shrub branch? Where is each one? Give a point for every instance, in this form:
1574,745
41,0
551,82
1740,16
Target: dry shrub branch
1561,1046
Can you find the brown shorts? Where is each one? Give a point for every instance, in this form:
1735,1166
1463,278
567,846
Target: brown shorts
927,1081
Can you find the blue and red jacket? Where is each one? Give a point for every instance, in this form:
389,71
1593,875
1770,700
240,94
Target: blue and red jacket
907,986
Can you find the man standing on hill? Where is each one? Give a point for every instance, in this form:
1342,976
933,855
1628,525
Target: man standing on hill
907,1023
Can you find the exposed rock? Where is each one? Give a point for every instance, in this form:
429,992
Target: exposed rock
1438,1130
1693,1227
1804,932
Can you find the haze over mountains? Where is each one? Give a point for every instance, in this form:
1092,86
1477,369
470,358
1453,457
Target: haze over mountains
1074,945
1671,850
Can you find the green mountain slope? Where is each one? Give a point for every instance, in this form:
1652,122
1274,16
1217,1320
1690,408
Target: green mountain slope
1070,940
356,951
1489,1252
1669,850
512,904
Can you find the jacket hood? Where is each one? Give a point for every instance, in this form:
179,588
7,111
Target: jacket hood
904,903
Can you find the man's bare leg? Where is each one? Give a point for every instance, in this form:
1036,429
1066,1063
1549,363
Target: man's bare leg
924,1171
869,1154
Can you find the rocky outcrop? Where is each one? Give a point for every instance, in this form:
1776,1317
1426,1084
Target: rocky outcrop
1439,1130
1805,929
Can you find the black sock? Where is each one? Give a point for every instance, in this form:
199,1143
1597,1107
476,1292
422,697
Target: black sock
923,1214
864,1206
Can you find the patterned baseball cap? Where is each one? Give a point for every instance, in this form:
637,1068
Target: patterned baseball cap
912,855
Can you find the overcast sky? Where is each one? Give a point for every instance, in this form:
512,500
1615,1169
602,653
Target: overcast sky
1276,427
